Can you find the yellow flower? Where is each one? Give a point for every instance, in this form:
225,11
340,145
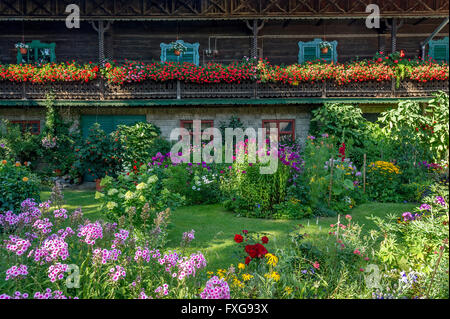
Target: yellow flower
25,179
247,277
288,290
241,266
272,259
274,275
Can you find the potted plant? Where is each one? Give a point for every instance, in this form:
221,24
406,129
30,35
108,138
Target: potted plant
22,47
178,48
325,46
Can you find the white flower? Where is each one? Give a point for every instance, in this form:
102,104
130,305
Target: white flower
141,186
112,192
111,205
129,195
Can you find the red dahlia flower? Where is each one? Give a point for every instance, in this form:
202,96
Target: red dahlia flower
238,238
264,240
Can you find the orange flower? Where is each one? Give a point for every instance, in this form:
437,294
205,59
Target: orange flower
25,179
4,162
17,164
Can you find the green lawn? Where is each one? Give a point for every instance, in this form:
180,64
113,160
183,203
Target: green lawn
215,227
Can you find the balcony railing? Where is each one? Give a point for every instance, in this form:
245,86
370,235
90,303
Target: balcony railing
100,90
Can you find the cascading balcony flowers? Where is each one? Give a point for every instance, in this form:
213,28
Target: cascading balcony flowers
51,72
133,71
381,68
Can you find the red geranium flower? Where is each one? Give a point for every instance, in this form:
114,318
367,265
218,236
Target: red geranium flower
247,260
265,240
238,238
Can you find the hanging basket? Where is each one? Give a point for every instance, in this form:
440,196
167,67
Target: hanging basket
23,51
177,52
324,50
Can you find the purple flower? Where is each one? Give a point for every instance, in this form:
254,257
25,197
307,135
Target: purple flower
216,289
425,207
440,200
407,216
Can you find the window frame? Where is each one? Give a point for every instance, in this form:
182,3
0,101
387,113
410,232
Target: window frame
24,124
289,133
191,133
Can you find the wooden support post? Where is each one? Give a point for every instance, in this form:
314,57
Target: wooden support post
101,29
331,182
394,28
394,35
178,90
338,226
255,28
364,173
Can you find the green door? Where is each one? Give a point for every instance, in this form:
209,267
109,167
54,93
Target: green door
108,123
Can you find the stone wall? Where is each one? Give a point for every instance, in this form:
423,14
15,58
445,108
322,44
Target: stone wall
169,118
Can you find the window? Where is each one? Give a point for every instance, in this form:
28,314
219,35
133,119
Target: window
38,52
189,125
310,51
190,55
33,127
439,50
286,128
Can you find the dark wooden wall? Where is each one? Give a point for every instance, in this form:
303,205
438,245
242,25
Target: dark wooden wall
136,40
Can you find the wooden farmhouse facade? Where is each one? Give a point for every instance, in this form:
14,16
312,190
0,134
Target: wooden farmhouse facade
284,32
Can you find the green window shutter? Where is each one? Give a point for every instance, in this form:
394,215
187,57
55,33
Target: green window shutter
191,54
309,54
439,49
128,120
310,51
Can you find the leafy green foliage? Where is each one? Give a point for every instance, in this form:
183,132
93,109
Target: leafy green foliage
17,183
59,156
140,142
251,193
18,146
99,154
420,126
199,184
136,196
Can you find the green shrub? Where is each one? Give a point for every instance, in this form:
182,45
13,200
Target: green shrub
383,182
198,183
17,183
99,154
140,142
423,127
344,179
251,193
292,209
18,146
136,196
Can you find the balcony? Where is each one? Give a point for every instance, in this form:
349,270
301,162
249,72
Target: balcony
178,90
